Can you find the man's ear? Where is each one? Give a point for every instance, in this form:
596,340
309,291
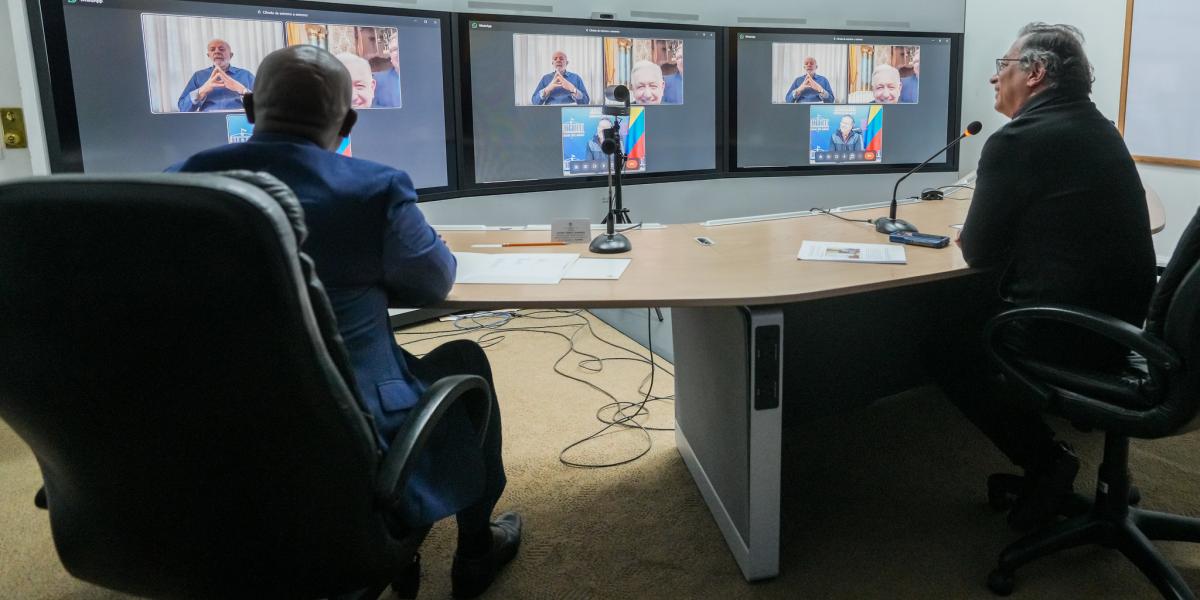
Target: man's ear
1037,75
248,104
348,123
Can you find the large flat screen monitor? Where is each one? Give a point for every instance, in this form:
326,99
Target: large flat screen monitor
129,84
842,101
534,93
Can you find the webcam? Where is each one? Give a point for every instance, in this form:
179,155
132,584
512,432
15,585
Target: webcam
604,15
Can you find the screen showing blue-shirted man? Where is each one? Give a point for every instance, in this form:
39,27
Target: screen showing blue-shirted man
219,87
560,86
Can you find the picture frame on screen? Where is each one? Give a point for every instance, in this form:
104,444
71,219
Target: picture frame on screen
534,92
160,108
826,101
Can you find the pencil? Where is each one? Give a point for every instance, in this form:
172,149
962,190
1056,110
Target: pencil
517,244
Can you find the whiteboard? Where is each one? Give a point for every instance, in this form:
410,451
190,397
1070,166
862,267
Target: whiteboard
1161,82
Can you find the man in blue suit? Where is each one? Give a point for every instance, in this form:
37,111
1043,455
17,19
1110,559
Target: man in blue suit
372,247
810,88
560,86
219,87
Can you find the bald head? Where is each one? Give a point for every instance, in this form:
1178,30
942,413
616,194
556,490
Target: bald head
303,91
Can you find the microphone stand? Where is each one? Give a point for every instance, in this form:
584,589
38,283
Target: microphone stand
891,224
612,242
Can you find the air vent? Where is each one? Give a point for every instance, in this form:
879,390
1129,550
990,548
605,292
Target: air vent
773,20
649,14
545,8
885,24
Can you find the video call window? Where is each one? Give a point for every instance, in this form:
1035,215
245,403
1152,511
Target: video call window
184,75
883,74
845,134
824,100
534,92
808,73
583,132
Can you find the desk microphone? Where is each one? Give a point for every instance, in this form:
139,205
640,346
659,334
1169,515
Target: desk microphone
891,224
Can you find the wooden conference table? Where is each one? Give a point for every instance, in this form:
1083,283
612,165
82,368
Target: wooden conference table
755,330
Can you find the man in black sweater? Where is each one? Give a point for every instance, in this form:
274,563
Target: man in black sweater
1060,211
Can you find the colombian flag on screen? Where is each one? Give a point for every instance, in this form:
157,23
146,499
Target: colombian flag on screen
873,135
635,139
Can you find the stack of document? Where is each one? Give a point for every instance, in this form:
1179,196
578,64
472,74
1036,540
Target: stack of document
852,252
534,269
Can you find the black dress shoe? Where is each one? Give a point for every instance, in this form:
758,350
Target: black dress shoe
1046,488
470,577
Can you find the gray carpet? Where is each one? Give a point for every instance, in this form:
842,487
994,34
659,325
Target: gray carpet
887,502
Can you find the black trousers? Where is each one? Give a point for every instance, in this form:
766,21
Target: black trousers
465,357
1010,420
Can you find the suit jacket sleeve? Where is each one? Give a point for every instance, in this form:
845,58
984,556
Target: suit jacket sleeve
1002,192
418,268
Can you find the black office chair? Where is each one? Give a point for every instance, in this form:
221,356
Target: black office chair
173,363
1157,396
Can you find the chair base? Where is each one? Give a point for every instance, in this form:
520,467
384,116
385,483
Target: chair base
1109,520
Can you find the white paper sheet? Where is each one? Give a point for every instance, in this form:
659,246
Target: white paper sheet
597,268
852,252
506,268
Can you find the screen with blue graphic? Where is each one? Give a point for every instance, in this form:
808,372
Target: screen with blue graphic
185,66
821,99
534,91
583,130
845,134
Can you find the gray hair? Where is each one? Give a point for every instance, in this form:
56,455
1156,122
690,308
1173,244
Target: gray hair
1059,49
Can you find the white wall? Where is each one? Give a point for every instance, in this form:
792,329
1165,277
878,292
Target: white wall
13,163
991,28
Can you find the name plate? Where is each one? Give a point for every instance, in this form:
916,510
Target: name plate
571,231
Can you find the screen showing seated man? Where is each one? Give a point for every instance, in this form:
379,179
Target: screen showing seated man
583,133
883,74
558,69
808,73
651,69
845,134
371,54
536,90
196,62
842,80
203,64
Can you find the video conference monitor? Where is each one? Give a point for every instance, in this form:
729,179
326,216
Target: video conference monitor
535,90
843,101
138,85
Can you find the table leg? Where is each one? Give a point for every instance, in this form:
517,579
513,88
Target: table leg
728,423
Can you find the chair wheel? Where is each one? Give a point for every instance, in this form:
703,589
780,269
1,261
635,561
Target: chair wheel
1000,582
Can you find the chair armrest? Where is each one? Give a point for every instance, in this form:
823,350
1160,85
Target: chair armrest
1159,357
437,399
1147,345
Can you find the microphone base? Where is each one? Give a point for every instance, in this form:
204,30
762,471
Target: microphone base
610,243
889,226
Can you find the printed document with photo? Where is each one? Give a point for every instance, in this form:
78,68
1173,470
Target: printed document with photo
852,252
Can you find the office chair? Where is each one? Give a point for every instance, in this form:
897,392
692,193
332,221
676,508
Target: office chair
174,364
1157,396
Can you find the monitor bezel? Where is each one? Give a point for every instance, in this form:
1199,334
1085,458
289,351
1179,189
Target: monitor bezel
468,186
57,91
953,120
